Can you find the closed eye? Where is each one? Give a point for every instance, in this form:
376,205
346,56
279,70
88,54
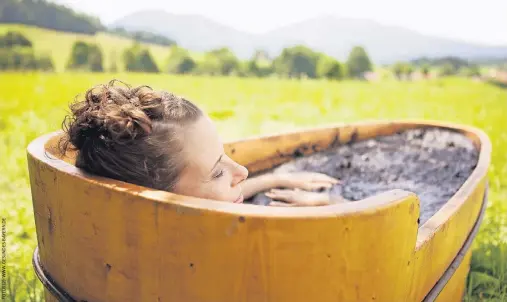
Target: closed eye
219,174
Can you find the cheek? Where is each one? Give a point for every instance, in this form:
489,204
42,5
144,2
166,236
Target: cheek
217,189
220,188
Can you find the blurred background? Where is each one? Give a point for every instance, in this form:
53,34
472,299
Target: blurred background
257,67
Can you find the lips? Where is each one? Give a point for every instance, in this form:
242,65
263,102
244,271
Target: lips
239,199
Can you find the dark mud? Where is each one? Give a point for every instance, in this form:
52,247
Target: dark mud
433,163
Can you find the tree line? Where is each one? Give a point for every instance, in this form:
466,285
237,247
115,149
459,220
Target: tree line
142,36
294,62
47,15
444,66
17,53
44,14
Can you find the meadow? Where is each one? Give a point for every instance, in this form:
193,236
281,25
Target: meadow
32,104
58,45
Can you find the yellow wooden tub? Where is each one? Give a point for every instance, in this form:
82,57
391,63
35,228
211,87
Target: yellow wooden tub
104,240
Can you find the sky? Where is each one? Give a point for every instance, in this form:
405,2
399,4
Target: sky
483,22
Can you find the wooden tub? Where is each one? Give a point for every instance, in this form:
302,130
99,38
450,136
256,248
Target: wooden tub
105,240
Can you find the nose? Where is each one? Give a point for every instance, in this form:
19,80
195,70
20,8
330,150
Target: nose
240,174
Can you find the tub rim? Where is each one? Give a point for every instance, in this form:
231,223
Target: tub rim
37,150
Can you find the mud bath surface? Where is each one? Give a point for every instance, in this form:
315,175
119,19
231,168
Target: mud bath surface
433,163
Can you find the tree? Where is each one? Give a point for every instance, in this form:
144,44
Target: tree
45,63
398,69
448,69
146,61
180,61
258,66
409,69
242,70
95,58
252,67
220,61
138,59
17,53
85,56
329,68
23,58
226,60
78,56
297,61
425,70
358,62
210,65
12,39
402,70
472,71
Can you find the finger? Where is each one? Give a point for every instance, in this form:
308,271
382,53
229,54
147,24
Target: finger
287,196
322,177
280,204
282,191
325,178
318,185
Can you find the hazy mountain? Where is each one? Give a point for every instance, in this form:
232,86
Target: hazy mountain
332,35
193,32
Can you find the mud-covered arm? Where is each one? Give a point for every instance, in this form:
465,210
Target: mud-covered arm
254,185
297,180
300,198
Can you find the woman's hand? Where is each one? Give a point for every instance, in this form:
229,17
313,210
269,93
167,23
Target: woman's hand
296,180
306,180
298,198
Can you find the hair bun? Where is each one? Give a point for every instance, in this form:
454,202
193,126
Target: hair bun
108,115
126,122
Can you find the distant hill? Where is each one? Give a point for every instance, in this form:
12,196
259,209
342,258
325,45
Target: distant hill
47,15
193,32
332,35
58,45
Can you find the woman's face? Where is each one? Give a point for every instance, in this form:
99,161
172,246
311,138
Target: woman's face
209,172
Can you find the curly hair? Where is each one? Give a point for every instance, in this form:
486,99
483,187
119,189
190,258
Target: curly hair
130,134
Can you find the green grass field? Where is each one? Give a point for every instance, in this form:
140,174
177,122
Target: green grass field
32,104
59,45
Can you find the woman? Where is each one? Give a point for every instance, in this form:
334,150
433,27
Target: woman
162,141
